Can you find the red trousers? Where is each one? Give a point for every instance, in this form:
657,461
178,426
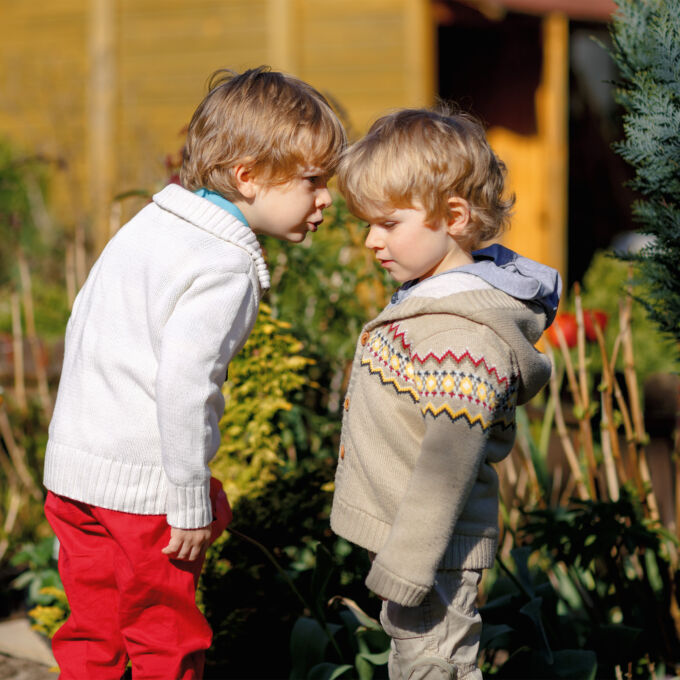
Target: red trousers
128,600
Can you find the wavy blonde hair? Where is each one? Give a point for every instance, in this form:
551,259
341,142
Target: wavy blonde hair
427,156
273,123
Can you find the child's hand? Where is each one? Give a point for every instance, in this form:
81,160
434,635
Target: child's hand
187,544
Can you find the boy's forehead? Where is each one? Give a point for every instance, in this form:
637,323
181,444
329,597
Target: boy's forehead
380,212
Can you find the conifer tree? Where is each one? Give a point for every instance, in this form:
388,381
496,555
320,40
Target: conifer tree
646,48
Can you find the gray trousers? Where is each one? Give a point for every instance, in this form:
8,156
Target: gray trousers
438,639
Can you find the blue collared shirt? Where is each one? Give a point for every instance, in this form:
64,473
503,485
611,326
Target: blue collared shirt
223,203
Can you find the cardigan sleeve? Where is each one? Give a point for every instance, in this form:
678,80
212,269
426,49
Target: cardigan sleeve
461,397
208,325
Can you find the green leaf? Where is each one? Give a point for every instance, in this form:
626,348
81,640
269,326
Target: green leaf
323,571
494,632
327,671
377,659
521,558
574,664
308,642
538,458
361,616
532,610
364,668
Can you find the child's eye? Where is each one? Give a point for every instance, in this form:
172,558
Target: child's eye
315,180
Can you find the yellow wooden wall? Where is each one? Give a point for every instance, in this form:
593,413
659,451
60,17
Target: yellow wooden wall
107,85
538,164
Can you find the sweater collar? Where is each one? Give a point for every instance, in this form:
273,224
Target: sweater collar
211,218
223,203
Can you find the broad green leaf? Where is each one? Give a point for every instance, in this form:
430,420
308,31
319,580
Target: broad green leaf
575,664
377,659
491,632
308,642
532,610
328,671
362,617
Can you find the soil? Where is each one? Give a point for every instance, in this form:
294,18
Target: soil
22,669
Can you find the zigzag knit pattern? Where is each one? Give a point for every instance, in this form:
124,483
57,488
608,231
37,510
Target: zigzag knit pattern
459,385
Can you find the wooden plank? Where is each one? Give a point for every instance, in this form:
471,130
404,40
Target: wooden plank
101,153
553,112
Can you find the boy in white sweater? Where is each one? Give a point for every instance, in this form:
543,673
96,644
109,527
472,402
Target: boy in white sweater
171,299
430,405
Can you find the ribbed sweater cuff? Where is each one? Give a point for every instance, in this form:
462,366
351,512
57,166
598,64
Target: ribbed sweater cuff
392,587
189,507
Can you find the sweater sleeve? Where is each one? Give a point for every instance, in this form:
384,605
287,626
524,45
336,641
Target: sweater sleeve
208,325
460,398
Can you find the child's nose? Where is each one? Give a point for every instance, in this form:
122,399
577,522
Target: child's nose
372,240
323,198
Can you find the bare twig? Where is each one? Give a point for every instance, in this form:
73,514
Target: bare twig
567,445
17,454
18,353
33,341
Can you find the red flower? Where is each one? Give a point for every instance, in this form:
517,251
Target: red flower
592,317
567,323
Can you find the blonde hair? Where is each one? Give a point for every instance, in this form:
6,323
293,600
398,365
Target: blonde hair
425,156
275,124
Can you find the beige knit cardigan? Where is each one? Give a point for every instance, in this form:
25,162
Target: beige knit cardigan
429,408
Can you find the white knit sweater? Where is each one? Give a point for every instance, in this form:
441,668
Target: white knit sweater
171,299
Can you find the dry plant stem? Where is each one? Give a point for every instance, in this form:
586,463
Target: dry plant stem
17,455
80,255
629,372
558,473
568,366
608,409
584,420
567,445
70,271
34,343
14,506
636,411
18,351
532,477
609,465
584,424
568,491
624,323
581,349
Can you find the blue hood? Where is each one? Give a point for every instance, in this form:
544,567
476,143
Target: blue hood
504,269
518,276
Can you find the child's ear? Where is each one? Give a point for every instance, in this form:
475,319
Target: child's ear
459,216
244,180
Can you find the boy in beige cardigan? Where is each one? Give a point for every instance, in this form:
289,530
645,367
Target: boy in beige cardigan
435,380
